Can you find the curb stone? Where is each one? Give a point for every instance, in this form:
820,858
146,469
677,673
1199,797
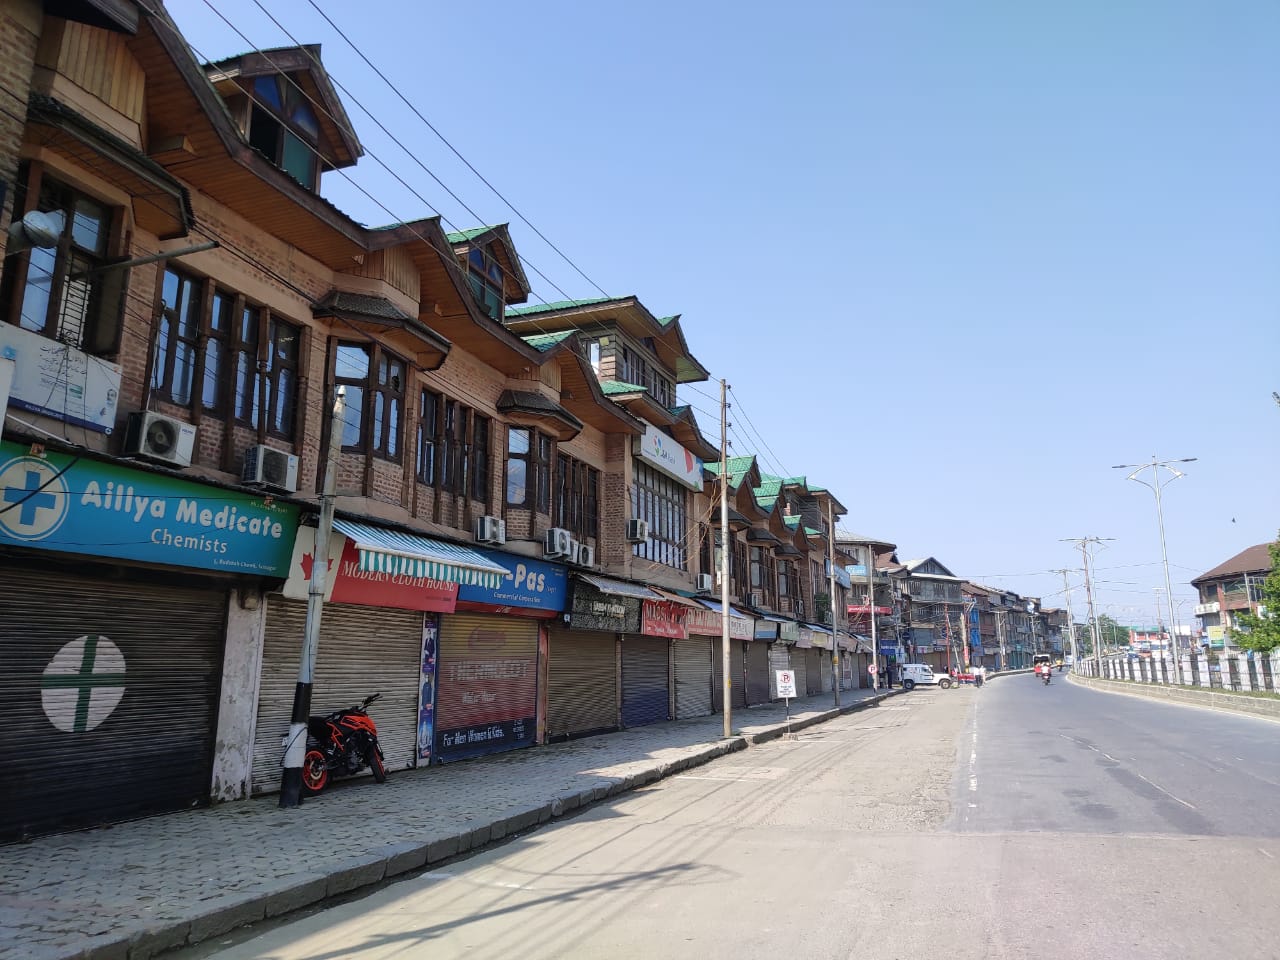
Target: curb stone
293,893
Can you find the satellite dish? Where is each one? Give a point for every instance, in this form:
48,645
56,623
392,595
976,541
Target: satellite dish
36,229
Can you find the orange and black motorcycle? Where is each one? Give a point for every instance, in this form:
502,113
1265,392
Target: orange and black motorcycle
340,744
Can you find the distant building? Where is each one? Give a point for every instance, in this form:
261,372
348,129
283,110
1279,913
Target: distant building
1229,589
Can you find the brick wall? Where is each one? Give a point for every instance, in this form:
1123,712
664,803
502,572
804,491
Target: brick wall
20,22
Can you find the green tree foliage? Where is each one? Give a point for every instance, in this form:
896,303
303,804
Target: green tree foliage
1261,632
1112,634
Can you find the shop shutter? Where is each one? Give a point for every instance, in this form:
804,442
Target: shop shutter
824,661
800,666
693,677
757,672
646,694
362,650
582,682
813,670
110,690
487,678
779,659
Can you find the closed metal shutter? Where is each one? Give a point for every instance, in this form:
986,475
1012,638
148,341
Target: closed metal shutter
800,667
779,659
693,677
813,670
487,684
757,672
582,683
646,694
362,650
110,690
824,662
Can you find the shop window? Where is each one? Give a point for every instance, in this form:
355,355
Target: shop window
575,497
528,469
374,382
480,430
245,339
661,501
63,292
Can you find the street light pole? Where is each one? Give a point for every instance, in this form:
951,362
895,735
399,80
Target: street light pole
1155,464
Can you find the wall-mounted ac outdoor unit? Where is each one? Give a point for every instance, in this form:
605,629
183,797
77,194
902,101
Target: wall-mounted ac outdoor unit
559,542
268,467
757,598
153,436
705,583
491,529
586,555
637,531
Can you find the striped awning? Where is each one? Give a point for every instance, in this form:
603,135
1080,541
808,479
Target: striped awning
407,555
619,588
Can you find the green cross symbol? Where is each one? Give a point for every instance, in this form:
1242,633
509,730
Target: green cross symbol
84,682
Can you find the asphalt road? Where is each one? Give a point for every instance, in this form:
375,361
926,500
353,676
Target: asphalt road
1013,821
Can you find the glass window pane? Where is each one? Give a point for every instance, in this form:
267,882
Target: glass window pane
184,365
516,482
218,322
186,311
305,119
393,428
353,417
297,160
35,298
375,425
211,387
246,401
267,90
352,362
89,227
517,442
249,327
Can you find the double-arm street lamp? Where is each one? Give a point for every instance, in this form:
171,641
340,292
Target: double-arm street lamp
1154,465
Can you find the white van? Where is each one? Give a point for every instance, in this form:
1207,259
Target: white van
921,674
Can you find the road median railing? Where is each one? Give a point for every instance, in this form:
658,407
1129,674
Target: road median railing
1265,706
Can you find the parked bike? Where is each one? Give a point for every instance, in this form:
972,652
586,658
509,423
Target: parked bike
340,744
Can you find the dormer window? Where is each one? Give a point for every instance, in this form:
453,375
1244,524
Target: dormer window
485,275
283,127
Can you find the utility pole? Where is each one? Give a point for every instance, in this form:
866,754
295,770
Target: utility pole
1000,631
871,615
1083,543
724,560
1155,464
1071,619
296,745
831,565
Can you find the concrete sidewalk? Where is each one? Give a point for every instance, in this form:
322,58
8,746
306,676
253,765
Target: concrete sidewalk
132,890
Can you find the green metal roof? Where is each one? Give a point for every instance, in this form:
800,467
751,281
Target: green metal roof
611,387
668,321
462,236
766,503
560,305
545,341
769,487
737,466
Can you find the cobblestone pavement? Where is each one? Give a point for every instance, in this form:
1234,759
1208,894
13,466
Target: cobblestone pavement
134,889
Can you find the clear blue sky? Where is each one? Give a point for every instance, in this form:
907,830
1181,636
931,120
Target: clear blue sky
955,260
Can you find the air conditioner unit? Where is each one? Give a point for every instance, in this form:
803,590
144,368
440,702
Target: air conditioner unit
559,542
268,467
705,583
491,529
153,436
757,598
637,531
586,555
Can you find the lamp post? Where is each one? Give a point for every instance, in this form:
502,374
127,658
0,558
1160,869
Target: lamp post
1154,466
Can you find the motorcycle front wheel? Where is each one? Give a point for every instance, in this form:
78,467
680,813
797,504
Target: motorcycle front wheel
376,765
315,772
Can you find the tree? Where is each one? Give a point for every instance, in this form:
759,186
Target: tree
1261,631
1110,633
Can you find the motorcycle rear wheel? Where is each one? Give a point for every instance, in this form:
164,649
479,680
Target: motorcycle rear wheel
376,765
315,772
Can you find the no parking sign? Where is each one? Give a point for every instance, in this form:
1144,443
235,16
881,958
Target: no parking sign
786,683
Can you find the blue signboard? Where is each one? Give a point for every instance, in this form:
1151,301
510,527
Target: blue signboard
532,584
78,505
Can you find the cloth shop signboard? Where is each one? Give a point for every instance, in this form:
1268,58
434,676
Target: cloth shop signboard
347,583
79,505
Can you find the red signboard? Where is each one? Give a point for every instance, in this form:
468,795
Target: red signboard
703,623
347,583
661,618
856,608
